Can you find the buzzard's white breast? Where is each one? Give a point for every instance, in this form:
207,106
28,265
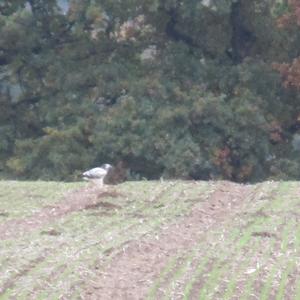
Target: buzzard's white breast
96,173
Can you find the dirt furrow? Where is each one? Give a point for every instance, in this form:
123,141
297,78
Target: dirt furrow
74,201
133,270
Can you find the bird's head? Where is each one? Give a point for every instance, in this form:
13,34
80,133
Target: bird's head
106,167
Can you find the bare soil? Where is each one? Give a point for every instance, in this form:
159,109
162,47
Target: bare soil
85,198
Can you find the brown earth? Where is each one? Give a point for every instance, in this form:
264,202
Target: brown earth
86,198
134,269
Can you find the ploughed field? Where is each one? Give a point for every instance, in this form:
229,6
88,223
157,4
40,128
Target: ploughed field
150,240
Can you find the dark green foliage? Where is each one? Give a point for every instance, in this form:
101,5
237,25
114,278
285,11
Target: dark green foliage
172,88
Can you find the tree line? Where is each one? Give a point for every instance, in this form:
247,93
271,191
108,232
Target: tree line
181,89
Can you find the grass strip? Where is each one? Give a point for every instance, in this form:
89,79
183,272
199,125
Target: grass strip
233,282
241,244
284,245
168,268
283,281
249,284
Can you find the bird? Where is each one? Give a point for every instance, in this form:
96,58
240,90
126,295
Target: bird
97,175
